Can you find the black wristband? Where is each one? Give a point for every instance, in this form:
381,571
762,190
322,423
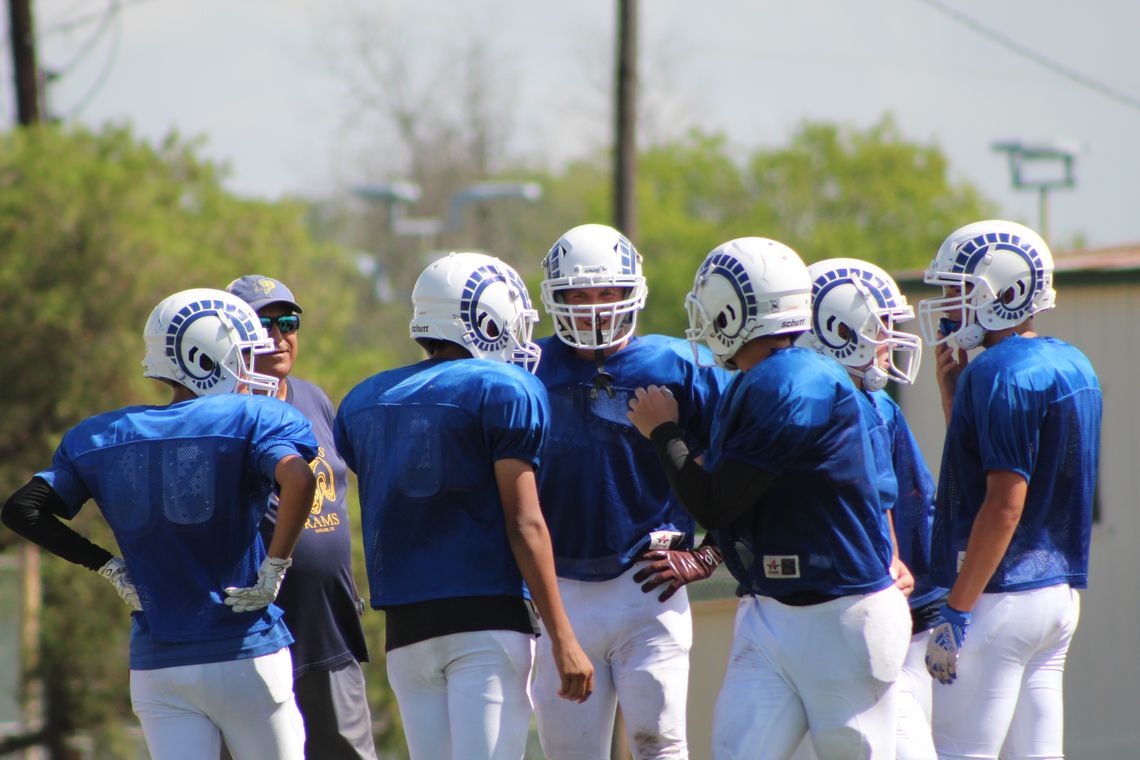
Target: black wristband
664,433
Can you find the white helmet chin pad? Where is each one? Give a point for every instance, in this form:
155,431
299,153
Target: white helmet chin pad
994,274
855,308
747,288
480,303
206,340
593,256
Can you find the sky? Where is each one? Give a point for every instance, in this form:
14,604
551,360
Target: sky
269,84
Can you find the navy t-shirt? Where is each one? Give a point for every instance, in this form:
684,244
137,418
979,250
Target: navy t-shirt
319,595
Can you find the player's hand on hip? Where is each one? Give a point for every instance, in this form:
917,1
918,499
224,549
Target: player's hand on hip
261,594
651,407
946,639
673,568
575,671
115,570
904,581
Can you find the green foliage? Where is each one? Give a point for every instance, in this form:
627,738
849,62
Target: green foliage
870,195
832,191
95,229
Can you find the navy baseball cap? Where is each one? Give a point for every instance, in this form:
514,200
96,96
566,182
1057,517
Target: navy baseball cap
258,290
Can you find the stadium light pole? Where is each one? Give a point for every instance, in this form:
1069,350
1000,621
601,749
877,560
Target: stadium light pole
400,195
1042,166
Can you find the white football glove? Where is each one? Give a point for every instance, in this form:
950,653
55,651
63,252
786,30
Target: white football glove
261,594
115,570
946,638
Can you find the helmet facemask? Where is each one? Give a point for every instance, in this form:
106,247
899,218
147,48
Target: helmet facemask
593,256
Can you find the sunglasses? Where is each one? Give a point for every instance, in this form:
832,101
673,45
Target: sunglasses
286,323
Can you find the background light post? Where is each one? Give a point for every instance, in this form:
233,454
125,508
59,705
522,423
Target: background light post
1041,167
400,195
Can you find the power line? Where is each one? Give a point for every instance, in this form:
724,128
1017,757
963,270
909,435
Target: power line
1025,52
89,18
108,65
105,19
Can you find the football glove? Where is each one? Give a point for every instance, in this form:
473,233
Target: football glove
946,638
115,570
261,594
673,568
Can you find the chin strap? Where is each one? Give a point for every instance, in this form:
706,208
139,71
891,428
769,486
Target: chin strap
603,381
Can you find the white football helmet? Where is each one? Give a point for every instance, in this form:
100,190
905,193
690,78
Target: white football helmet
205,340
480,303
1004,274
747,288
593,256
854,308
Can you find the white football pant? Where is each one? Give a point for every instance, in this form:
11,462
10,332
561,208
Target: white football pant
828,669
184,710
912,702
912,706
464,696
639,647
1007,699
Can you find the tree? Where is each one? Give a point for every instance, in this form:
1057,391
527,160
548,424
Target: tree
832,191
869,194
95,228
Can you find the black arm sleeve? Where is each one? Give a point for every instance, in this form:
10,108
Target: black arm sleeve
715,499
33,512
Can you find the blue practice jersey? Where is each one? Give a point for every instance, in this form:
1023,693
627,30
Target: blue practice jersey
820,527
881,447
184,487
423,441
602,488
1030,406
913,508
319,595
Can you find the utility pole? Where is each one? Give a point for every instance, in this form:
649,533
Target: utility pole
24,67
625,119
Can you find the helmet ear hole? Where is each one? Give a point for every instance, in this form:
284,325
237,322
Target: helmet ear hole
201,359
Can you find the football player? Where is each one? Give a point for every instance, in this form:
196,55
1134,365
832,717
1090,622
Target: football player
856,306
790,488
623,546
1014,509
454,539
183,488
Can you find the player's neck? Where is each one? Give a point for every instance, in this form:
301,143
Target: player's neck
1024,330
590,354
758,349
181,393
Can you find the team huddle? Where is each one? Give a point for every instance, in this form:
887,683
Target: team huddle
532,512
